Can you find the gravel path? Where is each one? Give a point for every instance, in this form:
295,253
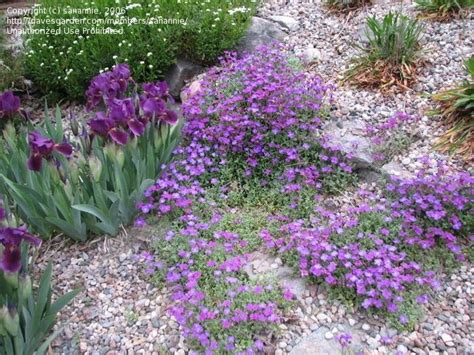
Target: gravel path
120,311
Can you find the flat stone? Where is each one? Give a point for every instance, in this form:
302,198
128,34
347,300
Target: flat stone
446,338
190,91
395,169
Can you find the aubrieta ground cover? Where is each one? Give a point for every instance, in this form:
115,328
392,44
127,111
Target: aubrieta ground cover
252,152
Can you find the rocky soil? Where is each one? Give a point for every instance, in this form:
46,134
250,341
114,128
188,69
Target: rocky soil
120,311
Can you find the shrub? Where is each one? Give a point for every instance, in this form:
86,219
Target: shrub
347,5
457,109
97,189
63,63
26,315
442,9
392,52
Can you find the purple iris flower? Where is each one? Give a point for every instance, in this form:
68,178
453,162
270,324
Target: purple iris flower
108,86
42,147
106,127
152,107
9,104
11,238
169,117
158,90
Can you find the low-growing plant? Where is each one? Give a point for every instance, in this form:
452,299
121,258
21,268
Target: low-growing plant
385,256
347,5
148,35
392,53
250,142
442,9
456,106
27,315
91,186
392,137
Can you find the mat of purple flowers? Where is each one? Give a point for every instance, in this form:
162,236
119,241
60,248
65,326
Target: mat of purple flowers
253,137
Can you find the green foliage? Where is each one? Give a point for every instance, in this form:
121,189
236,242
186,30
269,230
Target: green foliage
10,64
396,38
64,63
247,223
457,108
96,192
27,315
443,8
391,54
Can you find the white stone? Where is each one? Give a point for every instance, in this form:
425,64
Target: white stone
446,338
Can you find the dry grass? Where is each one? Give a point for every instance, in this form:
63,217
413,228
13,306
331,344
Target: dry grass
383,74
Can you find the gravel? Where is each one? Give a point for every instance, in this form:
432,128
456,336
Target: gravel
120,311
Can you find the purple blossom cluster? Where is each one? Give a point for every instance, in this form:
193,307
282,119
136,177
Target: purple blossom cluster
210,294
265,115
126,116
260,119
43,148
9,104
376,260
11,239
434,208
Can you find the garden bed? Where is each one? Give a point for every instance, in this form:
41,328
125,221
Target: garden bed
282,179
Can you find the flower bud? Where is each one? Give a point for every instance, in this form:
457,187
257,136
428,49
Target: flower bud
95,167
25,286
120,158
74,124
12,279
11,320
133,142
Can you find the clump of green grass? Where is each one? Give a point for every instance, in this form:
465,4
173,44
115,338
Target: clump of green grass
392,54
456,106
442,9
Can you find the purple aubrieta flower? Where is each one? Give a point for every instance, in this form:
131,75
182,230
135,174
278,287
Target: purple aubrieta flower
42,147
11,238
9,104
344,339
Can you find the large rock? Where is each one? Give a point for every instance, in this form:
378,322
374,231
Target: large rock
323,342
260,32
350,137
179,73
286,22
